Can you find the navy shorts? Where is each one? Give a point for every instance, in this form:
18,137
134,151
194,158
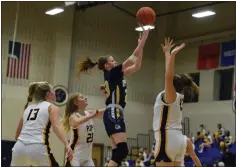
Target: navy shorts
113,121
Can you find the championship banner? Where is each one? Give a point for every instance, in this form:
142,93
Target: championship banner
228,52
208,56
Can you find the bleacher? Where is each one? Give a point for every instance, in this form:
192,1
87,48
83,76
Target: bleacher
211,156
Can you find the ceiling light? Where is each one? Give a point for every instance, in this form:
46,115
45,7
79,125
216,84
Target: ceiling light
145,28
203,14
68,3
54,11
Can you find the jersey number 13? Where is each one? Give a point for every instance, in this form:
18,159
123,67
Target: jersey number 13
33,114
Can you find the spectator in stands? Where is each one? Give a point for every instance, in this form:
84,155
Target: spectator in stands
150,160
198,141
222,147
197,137
145,154
220,130
228,139
206,143
125,163
202,129
139,163
208,135
140,154
215,140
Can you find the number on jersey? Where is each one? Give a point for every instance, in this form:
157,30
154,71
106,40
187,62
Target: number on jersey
125,86
90,133
107,89
33,114
90,138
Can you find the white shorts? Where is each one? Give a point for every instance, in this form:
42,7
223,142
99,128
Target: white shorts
170,146
80,162
32,155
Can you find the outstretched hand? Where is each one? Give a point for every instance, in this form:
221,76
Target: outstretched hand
143,35
168,45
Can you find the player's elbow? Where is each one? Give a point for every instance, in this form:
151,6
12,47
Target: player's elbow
55,127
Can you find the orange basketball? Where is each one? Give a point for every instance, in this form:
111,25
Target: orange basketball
146,16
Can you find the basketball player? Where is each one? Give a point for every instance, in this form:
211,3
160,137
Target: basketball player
190,151
116,89
32,146
81,124
168,111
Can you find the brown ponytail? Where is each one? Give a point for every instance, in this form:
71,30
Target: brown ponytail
190,88
84,65
31,91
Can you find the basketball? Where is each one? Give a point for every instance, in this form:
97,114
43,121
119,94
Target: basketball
146,16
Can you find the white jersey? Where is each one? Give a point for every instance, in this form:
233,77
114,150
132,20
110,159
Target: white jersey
82,139
167,116
36,124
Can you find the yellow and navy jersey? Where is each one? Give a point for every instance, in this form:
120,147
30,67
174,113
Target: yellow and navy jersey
115,86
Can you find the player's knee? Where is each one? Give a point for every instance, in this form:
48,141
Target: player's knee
120,152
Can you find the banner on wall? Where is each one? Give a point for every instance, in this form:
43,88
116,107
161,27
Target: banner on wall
208,56
228,53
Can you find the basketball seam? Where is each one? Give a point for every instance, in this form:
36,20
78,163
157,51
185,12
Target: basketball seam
145,18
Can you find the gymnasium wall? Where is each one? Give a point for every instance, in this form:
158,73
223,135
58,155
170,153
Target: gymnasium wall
195,32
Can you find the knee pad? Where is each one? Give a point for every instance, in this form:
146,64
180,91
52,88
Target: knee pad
120,152
113,154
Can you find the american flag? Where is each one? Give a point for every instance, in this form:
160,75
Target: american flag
18,60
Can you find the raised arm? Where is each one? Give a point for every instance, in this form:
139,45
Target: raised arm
133,63
170,92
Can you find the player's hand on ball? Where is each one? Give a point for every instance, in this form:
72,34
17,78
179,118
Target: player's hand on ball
145,34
